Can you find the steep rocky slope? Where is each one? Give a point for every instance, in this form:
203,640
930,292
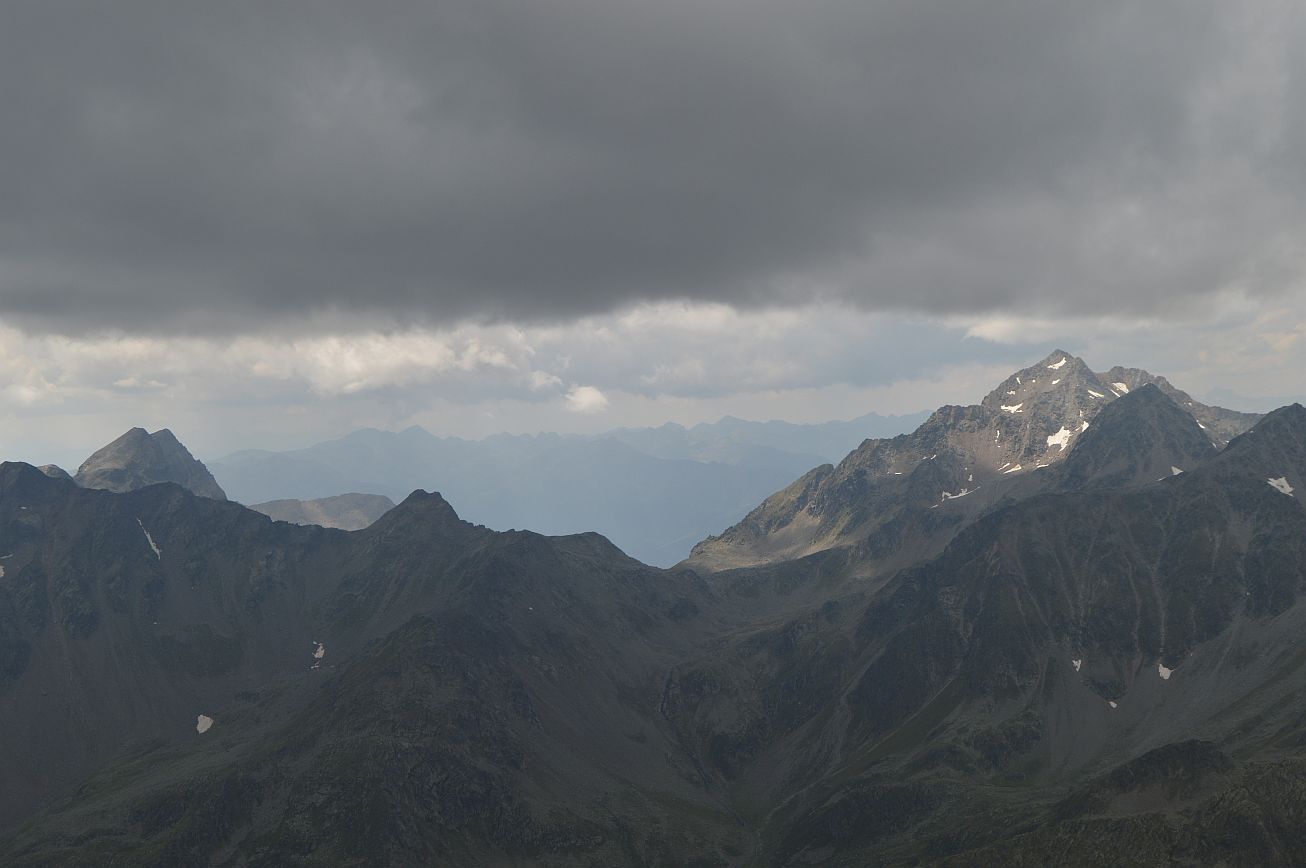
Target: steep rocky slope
139,458
1029,422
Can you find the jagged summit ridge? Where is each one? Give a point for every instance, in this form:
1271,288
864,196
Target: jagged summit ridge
1032,420
139,458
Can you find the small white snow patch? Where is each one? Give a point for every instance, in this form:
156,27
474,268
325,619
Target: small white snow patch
1059,439
1200,425
203,723
1013,408
1096,394
1175,471
1054,382
1041,466
158,552
1076,664
1012,392
947,495
1112,703
2,572
1122,387
1058,365
318,653
1012,470
1018,381
970,478
897,473
1281,485
1163,671
1083,426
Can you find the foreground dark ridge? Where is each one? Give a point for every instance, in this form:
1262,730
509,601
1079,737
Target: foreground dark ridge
1102,668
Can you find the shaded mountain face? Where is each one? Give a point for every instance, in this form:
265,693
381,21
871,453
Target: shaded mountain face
1219,424
139,458
484,691
343,511
981,453
1103,669
1142,437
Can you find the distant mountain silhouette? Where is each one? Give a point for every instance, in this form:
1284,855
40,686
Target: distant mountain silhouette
344,511
653,491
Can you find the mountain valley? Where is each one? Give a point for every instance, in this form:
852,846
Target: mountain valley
918,656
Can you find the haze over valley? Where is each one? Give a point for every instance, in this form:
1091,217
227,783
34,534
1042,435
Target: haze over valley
712,433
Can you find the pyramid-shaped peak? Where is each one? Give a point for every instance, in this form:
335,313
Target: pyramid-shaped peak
1058,371
1059,359
1138,438
138,458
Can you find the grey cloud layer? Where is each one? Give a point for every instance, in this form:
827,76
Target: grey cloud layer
214,166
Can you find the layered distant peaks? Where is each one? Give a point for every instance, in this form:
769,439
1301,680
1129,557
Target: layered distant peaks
1141,437
344,511
139,458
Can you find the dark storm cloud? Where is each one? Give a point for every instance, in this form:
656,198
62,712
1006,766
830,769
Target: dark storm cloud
213,166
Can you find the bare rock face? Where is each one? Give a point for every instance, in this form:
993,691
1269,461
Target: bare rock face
1032,422
139,458
344,511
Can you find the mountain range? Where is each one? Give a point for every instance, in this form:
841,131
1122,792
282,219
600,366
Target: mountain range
920,656
653,491
882,490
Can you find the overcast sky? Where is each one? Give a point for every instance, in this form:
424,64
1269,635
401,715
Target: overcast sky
270,223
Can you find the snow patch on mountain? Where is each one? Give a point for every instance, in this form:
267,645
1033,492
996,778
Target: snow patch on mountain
1059,439
1013,408
1281,485
1057,365
158,552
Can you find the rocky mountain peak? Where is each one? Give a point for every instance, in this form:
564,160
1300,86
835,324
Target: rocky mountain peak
1058,375
1274,450
1031,421
1139,438
139,458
